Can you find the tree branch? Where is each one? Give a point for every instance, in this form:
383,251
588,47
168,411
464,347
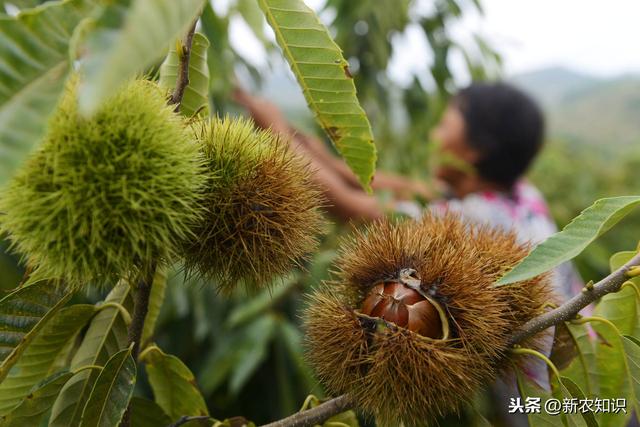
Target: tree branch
183,68
316,415
565,312
569,309
140,309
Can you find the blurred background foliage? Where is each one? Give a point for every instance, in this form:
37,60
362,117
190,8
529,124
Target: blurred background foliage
246,350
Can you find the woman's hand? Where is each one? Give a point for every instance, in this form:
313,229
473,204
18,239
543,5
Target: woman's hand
404,188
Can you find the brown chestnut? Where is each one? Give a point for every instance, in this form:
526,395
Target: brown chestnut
397,303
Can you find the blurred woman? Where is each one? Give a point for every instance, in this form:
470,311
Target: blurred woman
487,138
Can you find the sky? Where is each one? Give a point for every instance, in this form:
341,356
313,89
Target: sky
598,37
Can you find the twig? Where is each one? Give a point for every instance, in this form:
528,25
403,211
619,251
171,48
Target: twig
183,68
315,415
567,311
140,309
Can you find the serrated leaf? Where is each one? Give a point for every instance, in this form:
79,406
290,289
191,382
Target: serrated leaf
22,314
158,290
106,335
529,388
111,392
632,352
126,38
582,369
611,372
560,392
33,408
576,392
573,239
39,356
196,94
323,74
34,50
622,308
147,413
173,384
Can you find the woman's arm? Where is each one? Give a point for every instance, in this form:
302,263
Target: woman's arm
346,202
267,115
402,187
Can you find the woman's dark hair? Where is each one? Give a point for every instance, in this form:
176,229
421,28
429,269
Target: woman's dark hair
504,125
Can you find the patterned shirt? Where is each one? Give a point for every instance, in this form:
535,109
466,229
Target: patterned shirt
525,211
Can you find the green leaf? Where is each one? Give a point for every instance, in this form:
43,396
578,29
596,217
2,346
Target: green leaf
221,360
347,418
22,314
111,392
529,388
257,305
560,392
322,72
127,37
253,17
577,393
291,337
253,352
196,94
36,405
34,49
158,290
221,64
106,335
632,352
622,308
233,356
568,243
478,419
612,373
147,413
582,369
38,358
173,384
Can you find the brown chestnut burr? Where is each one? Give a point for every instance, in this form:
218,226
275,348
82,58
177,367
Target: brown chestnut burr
397,303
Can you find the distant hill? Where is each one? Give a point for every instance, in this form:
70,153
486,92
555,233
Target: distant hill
550,86
580,108
586,109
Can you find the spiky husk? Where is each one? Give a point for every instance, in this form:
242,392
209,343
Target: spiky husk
263,209
106,196
393,373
